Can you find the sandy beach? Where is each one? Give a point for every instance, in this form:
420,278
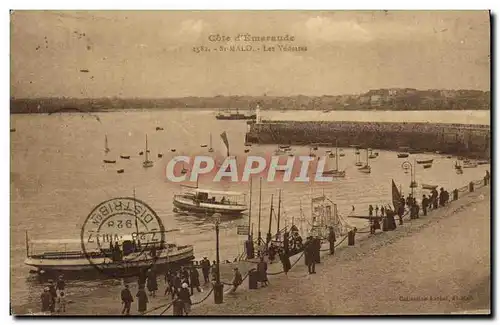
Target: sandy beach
432,265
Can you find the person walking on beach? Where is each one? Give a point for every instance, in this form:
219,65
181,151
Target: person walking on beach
205,269
487,178
61,302
53,296
185,298
194,279
332,239
425,203
152,284
46,299
434,199
309,255
127,300
237,280
142,300
317,250
285,260
441,197
262,271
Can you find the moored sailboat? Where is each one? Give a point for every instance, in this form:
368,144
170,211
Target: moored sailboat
147,163
366,168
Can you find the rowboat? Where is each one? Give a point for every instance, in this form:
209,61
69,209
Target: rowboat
109,161
428,161
403,155
124,157
426,166
120,171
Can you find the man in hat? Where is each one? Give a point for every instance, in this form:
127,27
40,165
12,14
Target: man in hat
237,279
185,297
53,295
205,269
309,255
332,239
46,300
127,300
60,284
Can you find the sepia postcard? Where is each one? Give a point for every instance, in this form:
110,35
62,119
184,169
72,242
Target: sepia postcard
239,163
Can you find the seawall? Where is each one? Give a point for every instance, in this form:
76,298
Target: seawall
468,140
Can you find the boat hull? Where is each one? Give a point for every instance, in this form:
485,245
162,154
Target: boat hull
104,266
184,205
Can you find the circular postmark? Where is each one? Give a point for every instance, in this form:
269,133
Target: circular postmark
122,237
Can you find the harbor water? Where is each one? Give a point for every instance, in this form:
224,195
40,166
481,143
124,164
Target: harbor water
58,176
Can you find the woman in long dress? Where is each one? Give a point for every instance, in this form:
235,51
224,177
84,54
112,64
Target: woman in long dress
142,300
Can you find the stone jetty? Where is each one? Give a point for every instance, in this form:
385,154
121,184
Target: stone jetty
460,139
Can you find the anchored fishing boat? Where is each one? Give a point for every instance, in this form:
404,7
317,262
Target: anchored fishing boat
210,149
366,168
106,161
335,172
124,157
403,155
427,166
147,163
67,256
106,147
202,201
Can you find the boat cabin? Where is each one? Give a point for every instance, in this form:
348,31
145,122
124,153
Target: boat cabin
218,197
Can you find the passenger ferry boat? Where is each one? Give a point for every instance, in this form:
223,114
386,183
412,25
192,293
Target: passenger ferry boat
68,256
196,200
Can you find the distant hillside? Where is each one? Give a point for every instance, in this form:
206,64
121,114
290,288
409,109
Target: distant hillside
378,99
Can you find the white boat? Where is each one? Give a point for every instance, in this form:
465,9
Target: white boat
67,256
147,163
203,201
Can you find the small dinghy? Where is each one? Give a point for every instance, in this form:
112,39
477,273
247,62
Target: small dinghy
158,128
120,171
426,162
173,150
141,153
427,166
247,150
203,146
109,161
124,157
403,155
160,155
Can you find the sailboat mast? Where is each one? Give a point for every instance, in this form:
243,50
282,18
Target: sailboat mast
268,239
279,212
260,209
336,154
136,225
250,211
146,153
210,139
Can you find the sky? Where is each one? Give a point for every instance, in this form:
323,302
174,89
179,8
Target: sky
150,53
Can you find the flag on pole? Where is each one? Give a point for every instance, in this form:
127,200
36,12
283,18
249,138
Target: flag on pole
223,136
